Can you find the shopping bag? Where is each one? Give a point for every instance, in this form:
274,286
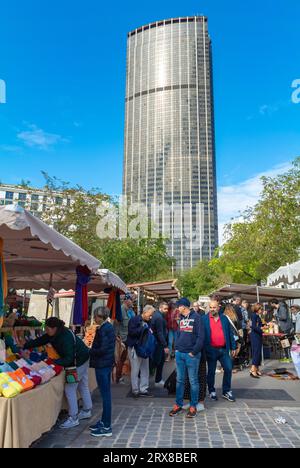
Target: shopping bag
285,343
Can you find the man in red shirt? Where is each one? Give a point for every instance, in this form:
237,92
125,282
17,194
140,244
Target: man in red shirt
220,346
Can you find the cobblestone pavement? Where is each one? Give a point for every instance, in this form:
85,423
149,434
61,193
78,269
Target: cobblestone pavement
146,423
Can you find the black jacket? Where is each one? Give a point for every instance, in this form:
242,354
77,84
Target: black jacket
64,344
239,314
135,328
103,350
159,328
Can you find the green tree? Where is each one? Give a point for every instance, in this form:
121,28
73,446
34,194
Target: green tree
203,279
269,235
133,260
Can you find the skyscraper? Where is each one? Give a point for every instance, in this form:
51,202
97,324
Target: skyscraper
169,132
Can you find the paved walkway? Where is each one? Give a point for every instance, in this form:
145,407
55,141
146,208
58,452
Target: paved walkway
250,422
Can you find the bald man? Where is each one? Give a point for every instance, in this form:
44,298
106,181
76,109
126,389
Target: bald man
220,346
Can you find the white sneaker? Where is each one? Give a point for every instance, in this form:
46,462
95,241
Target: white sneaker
70,423
84,415
200,407
159,384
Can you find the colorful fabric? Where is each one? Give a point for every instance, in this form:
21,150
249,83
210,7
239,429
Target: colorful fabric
5,368
57,369
37,357
33,376
14,366
81,295
21,378
3,283
8,387
52,354
114,305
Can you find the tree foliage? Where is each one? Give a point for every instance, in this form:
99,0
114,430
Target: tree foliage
266,237
133,260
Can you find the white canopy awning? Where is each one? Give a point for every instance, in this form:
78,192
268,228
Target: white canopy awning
289,274
34,253
254,293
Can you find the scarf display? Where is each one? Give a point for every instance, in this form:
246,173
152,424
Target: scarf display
3,283
81,306
114,305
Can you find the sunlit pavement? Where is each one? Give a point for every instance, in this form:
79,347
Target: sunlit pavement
250,422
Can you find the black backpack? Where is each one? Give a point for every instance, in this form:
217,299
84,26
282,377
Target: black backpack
170,383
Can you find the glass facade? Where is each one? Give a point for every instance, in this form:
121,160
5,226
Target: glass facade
169,130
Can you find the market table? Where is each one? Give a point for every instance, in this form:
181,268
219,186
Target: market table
25,418
275,342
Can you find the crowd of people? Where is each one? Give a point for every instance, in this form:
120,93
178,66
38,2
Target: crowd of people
197,337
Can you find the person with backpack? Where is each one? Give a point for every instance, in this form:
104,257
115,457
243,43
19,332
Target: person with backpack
141,345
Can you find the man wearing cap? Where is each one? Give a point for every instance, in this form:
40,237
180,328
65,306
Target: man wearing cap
220,345
188,346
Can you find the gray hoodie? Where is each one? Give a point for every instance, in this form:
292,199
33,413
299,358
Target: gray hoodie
284,318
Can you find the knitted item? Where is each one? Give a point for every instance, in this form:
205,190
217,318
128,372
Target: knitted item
57,369
51,353
20,377
81,295
33,376
14,366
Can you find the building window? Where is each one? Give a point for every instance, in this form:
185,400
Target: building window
34,206
9,195
58,200
22,196
34,197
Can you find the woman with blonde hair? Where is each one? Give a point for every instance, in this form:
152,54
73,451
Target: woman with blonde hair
256,338
231,315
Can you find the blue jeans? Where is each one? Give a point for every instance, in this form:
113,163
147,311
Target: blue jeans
103,377
186,363
213,355
171,340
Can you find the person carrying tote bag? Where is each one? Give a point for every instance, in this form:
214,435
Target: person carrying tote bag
74,354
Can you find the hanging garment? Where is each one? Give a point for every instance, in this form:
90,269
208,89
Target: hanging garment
114,305
3,284
81,306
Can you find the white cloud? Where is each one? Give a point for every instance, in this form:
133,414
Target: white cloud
234,199
35,137
10,149
268,109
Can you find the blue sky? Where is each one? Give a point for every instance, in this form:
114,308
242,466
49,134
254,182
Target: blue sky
64,66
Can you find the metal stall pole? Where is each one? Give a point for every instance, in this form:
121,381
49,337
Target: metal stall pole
24,301
138,300
48,303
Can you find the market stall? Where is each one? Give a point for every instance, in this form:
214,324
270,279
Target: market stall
25,418
254,293
155,291
286,276
33,255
